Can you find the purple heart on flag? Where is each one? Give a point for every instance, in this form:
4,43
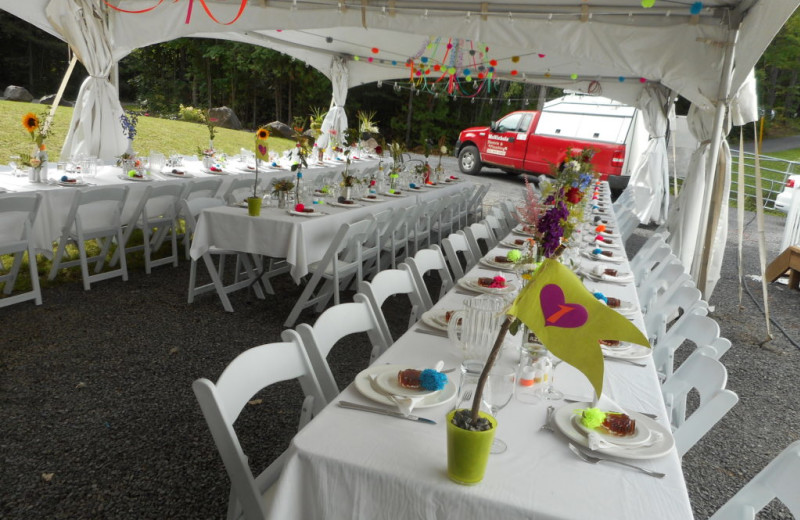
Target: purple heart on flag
262,150
558,313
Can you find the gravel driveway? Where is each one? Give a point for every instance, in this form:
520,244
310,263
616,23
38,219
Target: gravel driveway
99,419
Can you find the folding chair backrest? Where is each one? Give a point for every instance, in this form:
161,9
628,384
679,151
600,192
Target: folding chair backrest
202,188
332,325
240,188
17,213
698,328
497,222
98,208
428,260
386,283
221,403
454,244
161,200
779,479
708,377
476,232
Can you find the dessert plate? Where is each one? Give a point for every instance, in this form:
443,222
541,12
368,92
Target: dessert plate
510,243
616,259
343,205
472,284
626,350
493,264
206,170
367,199
435,318
662,438
134,179
75,184
306,214
518,230
393,194
363,385
183,175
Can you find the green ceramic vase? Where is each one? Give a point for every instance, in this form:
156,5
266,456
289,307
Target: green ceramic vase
468,451
254,206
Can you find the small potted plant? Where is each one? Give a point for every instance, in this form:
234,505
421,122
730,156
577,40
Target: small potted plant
38,159
281,188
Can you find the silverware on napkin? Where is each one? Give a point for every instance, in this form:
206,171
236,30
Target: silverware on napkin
382,411
432,332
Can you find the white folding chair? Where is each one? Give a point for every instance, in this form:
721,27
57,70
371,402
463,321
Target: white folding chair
670,274
17,215
708,377
442,219
779,479
391,282
480,231
341,262
670,306
199,189
423,262
221,403
497,222
94,215
475,206
454,244
331,326
627,221
418,220
156,215
642,256
240,188
371,248
697,328
395,238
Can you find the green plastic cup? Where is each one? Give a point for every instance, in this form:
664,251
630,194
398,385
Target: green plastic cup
468,451
254,206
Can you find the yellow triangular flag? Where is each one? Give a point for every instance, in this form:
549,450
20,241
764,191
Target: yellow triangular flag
569,320
262,150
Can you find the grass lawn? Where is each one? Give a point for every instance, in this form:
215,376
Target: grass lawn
159,135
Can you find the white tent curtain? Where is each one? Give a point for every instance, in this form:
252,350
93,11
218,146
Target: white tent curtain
336,118
650,180
95,128
690,211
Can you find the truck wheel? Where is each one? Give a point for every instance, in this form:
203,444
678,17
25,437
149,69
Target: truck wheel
469,160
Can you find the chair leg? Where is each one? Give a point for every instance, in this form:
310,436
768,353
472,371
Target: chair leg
34,268
147,251
302,300
62,245
12,274
215,278
84,264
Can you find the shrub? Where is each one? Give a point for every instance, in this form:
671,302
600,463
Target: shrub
191,114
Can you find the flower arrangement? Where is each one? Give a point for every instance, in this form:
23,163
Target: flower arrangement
366,123
261,153
38,132
283,185
129,120
315,121
212,128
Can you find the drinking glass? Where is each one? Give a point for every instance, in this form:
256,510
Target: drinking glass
550,392
13,161
497,394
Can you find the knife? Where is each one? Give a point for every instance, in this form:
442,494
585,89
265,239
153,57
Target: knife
381,411
440,333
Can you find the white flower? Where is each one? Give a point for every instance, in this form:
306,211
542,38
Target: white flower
443,149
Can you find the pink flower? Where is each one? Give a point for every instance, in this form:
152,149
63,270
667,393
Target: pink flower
498,282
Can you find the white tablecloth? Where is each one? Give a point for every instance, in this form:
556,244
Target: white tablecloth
300,240
350,464
58,199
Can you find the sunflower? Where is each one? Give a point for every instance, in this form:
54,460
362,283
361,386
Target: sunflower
30,122
262,134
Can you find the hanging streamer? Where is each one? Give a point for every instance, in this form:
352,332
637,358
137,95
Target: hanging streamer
188,11
762,242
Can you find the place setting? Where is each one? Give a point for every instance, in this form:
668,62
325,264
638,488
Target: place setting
601,273
498,262
497,285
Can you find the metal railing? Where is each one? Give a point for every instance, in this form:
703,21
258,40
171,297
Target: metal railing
774,174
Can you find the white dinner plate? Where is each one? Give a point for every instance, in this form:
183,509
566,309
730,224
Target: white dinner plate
616,259
435,399
206,170
490,262
76,184
435,318
641,434
388,381
626,350
387,194
509,242
518,230
376,199
184,175
342,205
134,179
315,213
471,284
562,418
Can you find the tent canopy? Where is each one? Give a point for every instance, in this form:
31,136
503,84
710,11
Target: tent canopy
569,44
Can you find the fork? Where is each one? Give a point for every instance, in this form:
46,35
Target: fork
594,460
547,426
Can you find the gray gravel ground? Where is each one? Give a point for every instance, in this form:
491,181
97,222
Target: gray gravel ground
99,419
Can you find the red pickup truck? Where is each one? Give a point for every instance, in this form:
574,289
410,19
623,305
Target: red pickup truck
534,141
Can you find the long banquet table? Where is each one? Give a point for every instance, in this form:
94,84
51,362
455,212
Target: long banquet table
300,240
57,199
349,464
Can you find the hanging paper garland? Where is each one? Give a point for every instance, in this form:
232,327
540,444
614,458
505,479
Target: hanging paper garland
188,11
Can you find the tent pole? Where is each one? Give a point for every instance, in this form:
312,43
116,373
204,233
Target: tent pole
715,197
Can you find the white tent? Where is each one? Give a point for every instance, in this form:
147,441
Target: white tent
703,51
